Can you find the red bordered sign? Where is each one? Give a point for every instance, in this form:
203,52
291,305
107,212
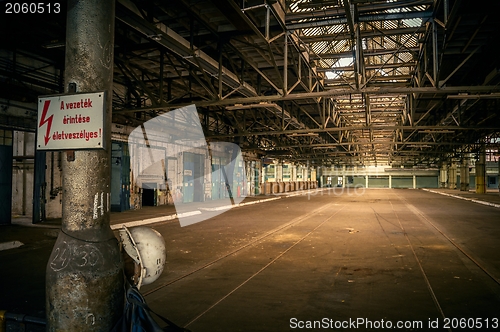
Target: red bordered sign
71,122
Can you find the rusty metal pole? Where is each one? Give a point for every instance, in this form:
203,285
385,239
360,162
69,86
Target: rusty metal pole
481,171
84,278
464,174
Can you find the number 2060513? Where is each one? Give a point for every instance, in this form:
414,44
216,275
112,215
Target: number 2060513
471,323
32,8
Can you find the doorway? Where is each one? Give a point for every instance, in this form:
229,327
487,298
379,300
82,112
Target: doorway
193,179
149,194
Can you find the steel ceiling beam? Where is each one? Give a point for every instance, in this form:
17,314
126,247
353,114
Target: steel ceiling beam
364,34
355,128
328,93
369,67
362,18
367,53
363,8
369,144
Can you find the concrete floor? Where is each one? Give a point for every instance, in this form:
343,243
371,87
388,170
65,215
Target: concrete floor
386,256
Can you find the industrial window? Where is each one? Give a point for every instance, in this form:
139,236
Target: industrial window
5,137
286,172
270,171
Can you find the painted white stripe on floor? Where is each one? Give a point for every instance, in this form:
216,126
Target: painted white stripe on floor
464,198
227,207
145,221
196,212
218,208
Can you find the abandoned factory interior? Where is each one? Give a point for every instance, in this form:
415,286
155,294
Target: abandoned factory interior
339,92
110,108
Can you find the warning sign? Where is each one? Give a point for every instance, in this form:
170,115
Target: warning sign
70,122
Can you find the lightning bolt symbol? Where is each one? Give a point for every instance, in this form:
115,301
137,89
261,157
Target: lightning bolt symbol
43,120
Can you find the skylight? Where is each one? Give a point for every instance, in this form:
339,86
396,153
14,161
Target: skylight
413,22
342,62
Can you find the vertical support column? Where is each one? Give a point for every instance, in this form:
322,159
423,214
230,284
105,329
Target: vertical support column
260,177
410,108
248,177
435,57
268,22
319,174
6,153
414,182
84,278
263,178
443,175
279,171
481,172
452,176
310,78
220,70
366,181
464,175
285,66
343,176
390,181
24,139
162,65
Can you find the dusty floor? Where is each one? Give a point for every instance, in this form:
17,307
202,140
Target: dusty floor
366,259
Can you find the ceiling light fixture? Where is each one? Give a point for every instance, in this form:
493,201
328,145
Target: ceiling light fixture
302,134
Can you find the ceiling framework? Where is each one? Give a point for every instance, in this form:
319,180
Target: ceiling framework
357,82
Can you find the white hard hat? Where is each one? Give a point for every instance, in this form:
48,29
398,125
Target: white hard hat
146,247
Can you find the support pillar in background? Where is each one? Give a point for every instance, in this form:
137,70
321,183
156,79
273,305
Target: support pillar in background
481,172
464,175
343,176
84,278
6,153
279,171
443,174
320,173
452,176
